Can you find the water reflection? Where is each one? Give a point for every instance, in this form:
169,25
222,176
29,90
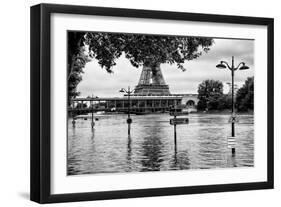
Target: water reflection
175,154
129,153
93,133
202,144
153,149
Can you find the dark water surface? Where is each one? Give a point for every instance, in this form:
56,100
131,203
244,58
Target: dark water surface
202,144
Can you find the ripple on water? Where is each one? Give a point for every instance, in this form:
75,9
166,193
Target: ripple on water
202,144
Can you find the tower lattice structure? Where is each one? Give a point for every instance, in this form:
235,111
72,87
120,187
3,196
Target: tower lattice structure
152,82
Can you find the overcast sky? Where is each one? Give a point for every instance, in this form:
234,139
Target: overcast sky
98,82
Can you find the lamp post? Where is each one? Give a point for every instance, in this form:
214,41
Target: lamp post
92,113
232,68
128,92
73,114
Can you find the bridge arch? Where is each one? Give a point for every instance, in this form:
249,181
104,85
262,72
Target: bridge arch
189,100
190,103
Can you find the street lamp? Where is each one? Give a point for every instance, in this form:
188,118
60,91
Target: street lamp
92,112
128,92
232,68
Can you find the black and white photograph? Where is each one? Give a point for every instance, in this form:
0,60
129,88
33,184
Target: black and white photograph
154,102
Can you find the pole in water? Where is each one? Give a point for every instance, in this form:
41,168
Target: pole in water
175,129
175,134
129,121
73,120
233,104
92,118
233,135
175,151
73,114
92,124
233,151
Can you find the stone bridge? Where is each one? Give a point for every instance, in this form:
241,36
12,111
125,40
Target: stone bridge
189,100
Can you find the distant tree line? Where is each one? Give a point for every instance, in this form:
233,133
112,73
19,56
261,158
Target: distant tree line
211,97
245,96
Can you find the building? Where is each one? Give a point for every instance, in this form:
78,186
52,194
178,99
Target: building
189,100
138,104
151,95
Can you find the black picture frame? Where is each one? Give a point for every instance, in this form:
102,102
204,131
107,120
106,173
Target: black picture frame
41,102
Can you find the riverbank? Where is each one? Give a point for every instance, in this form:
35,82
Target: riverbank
223,112
214,112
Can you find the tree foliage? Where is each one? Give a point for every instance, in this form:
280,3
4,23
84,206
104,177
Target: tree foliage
76,61
225,102
145,49
210,95
139,49
245,96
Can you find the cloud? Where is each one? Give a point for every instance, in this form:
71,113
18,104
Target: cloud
224,49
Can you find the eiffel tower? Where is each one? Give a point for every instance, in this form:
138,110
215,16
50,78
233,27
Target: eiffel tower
152,82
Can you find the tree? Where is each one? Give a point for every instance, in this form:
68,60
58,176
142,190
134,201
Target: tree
225,102
149,50
210,95
139,49
245,96
76,61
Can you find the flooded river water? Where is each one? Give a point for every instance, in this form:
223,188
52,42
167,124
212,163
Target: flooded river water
202,144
